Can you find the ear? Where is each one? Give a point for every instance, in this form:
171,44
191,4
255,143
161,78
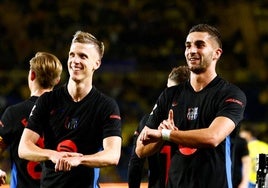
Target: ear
57,81
218,53
97,65
32,75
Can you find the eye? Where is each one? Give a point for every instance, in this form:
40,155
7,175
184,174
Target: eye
200,44
187,45
83,56
71,54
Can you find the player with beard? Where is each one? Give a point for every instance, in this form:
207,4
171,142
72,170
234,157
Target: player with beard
198,116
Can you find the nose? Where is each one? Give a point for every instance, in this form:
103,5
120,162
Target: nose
75,59
192,49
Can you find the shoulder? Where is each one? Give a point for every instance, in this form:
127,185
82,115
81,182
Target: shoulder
230,90
101,97
228,86
15,107
175,89
58,92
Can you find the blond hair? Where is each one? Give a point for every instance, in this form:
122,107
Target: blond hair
47,68
84,37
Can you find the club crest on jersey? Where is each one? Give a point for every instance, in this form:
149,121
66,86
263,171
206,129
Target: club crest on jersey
192,113
71,123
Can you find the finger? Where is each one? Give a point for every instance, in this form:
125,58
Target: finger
170,115
66,166
165,124
58,166
141,136
162,125
74,154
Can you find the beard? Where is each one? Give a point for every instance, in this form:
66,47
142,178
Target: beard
198,69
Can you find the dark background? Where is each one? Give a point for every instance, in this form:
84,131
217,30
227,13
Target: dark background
143,41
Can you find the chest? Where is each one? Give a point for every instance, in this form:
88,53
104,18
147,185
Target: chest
195,110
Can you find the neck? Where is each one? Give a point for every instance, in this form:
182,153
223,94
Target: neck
39,92
200,81
78,91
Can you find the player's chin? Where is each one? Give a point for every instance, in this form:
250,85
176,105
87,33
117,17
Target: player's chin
75,77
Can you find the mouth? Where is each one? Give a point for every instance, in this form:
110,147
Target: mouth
76,68
193,59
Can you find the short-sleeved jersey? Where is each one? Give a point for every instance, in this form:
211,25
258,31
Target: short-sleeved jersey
74,126
200,167
23,173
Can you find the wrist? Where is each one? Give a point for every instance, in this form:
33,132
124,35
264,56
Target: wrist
165,134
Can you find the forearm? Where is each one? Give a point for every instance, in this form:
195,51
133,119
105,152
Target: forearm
245,169
212,136
193,138
32,152
29,150
101,159
109,156
144,149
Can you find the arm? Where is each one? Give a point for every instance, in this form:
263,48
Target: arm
110,155
245,171
30,151
212,136
145,147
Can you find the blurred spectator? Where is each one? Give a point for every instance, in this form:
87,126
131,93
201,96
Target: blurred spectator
255,147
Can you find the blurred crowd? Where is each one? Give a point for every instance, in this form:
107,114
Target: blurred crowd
143,41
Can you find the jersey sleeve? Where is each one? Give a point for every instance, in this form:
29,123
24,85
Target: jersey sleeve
233,104
111,118
37,116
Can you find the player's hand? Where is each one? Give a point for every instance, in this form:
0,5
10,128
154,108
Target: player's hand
66,163
3,177
61,164
168,123
150,135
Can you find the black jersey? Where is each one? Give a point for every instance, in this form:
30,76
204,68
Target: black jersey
23,173
200,167
74,126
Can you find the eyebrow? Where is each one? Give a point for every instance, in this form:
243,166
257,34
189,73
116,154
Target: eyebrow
195,42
